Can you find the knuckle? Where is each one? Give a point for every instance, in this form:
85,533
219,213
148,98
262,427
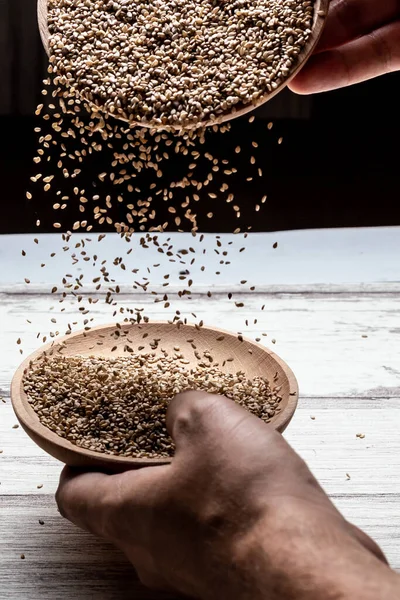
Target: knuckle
203,409
382,49
348,15
182,424
213,516
195,409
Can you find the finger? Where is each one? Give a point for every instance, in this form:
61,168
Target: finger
94,501
350,19
82,498
208,419
213,432
375,54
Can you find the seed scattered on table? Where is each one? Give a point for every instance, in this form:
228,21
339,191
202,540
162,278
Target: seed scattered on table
117,406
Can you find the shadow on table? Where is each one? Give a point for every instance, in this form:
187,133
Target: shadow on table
61,561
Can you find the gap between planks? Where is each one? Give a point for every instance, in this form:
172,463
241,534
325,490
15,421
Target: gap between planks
361,289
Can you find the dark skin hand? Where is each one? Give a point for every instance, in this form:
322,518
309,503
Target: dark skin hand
236,515
361,40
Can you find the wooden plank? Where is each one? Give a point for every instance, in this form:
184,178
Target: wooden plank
64,562
320,336
306,290
328,443
60,560
333,257
317,316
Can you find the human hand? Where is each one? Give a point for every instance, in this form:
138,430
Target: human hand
237,514
361,40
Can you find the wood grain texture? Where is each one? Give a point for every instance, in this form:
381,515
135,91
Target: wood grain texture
60,560
328,443
347,260
349,384
320,13
320,336
63,562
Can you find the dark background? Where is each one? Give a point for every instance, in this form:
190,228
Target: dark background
337,166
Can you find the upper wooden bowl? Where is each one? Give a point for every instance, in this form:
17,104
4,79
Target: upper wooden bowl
262,362
320,13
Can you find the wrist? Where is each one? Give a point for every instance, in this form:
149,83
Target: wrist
307,561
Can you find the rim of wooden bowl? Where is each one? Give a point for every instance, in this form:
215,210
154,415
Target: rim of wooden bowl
320,13
47,439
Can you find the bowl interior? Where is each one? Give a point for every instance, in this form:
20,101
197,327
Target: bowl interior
320,12
230,353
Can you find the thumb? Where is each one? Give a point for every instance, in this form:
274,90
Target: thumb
197,418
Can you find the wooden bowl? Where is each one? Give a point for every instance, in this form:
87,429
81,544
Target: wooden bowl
261,362
320,13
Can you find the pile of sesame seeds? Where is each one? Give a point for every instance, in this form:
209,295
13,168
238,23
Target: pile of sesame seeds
176,63
117,406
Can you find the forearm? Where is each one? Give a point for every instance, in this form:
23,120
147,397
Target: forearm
351,578
341,573
334,567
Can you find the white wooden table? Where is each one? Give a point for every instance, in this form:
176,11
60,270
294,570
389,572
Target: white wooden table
332,305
